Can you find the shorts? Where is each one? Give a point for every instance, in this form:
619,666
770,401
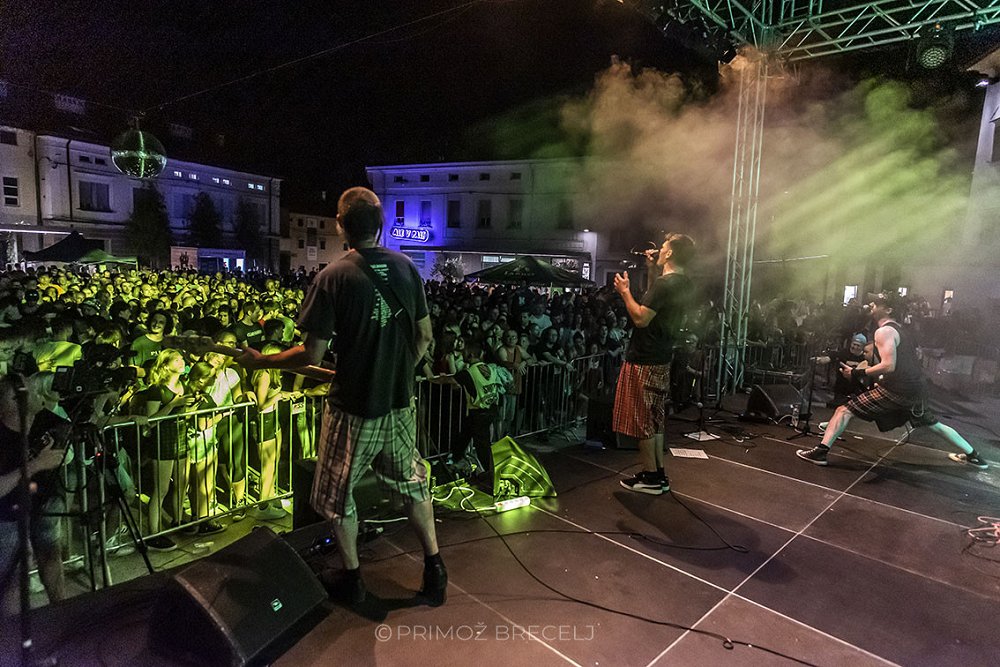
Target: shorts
267,426
349,444
641,400
889,410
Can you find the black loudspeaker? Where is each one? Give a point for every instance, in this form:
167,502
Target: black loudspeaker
303,514
599,411
239,606
771,402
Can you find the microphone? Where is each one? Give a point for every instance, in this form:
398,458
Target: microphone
642,253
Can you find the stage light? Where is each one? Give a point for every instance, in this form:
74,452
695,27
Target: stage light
934,49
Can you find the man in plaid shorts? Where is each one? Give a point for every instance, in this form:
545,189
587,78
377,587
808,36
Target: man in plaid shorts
899,395
371,303
644,379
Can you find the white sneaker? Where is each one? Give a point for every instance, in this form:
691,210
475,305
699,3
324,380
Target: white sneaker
822,426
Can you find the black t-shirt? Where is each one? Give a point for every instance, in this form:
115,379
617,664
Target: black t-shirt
375,351
670,296
250,334
45,422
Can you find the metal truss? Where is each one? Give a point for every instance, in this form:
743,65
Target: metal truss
742,223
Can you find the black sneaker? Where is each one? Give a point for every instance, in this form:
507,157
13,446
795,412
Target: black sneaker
435,586
645,482
161,543
210,528
664,483
816,455
975,461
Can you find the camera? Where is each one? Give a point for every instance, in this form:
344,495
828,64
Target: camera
84,377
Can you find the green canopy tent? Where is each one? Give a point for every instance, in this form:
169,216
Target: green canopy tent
528,270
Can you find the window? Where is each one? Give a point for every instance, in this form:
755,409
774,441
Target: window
302,243
249,186
11,196
300,223
903,291
516,214
193,177
565,216
425,213
225,181
322,223
425,178
216,180
94,196
454,213
398,179
484,214
178,174
85,158
311,237
515,175
259,187
850,292
452,177
100,160
322,244
8,137
400,212
484,176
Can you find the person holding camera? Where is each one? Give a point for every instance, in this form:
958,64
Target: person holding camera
46,442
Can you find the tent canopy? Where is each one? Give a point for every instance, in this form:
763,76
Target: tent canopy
528,270
101,257
70,249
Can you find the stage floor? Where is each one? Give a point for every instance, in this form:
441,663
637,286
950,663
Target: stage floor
866,561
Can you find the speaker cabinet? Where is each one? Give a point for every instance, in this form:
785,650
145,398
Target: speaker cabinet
242,605
599,411
303,471
771,402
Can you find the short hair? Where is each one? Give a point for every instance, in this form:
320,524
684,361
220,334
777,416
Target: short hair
359,213
682,249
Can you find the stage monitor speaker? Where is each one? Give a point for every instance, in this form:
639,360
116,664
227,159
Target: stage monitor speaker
771,402
599,411
303,514
241,605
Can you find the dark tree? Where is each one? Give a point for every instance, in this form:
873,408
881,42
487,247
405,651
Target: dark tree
147,231
205,223
246,226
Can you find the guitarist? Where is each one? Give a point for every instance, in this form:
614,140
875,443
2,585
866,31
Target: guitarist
372,304
899,395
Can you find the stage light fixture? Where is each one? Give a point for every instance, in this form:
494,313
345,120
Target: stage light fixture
934,49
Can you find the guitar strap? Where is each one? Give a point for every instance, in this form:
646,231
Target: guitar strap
403,317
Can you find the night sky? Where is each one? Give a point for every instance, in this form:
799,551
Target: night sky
428,91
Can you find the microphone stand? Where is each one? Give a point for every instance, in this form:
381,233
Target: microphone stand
701,435
805,418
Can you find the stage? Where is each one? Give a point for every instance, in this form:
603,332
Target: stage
866,561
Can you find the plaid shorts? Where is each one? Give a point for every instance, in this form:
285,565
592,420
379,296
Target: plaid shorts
641,400
349,444
889,410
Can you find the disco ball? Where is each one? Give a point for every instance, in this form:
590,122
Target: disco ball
138,154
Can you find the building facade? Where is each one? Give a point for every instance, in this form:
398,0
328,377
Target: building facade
53,185
479,214
309,242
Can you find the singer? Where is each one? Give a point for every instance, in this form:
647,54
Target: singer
644,379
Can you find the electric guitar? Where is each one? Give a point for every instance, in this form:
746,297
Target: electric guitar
201,345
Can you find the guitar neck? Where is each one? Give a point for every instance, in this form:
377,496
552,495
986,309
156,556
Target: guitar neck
311,371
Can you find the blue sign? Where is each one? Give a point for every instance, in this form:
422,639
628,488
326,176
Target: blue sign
408,234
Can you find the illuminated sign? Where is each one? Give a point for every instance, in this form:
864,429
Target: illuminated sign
408,234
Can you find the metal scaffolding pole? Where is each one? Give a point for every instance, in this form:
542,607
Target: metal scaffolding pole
742,222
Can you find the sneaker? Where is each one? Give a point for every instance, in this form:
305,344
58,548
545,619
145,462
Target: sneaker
815,455
269,511
664,483
645,482
210,528
161,543
822,426
435,588
120,543
240,512
974,461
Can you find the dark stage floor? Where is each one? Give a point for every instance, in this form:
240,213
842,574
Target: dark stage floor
866,561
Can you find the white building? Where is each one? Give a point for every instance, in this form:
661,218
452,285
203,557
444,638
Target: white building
53,185
309,241
487,213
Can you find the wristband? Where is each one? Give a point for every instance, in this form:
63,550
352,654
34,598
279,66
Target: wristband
858,374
